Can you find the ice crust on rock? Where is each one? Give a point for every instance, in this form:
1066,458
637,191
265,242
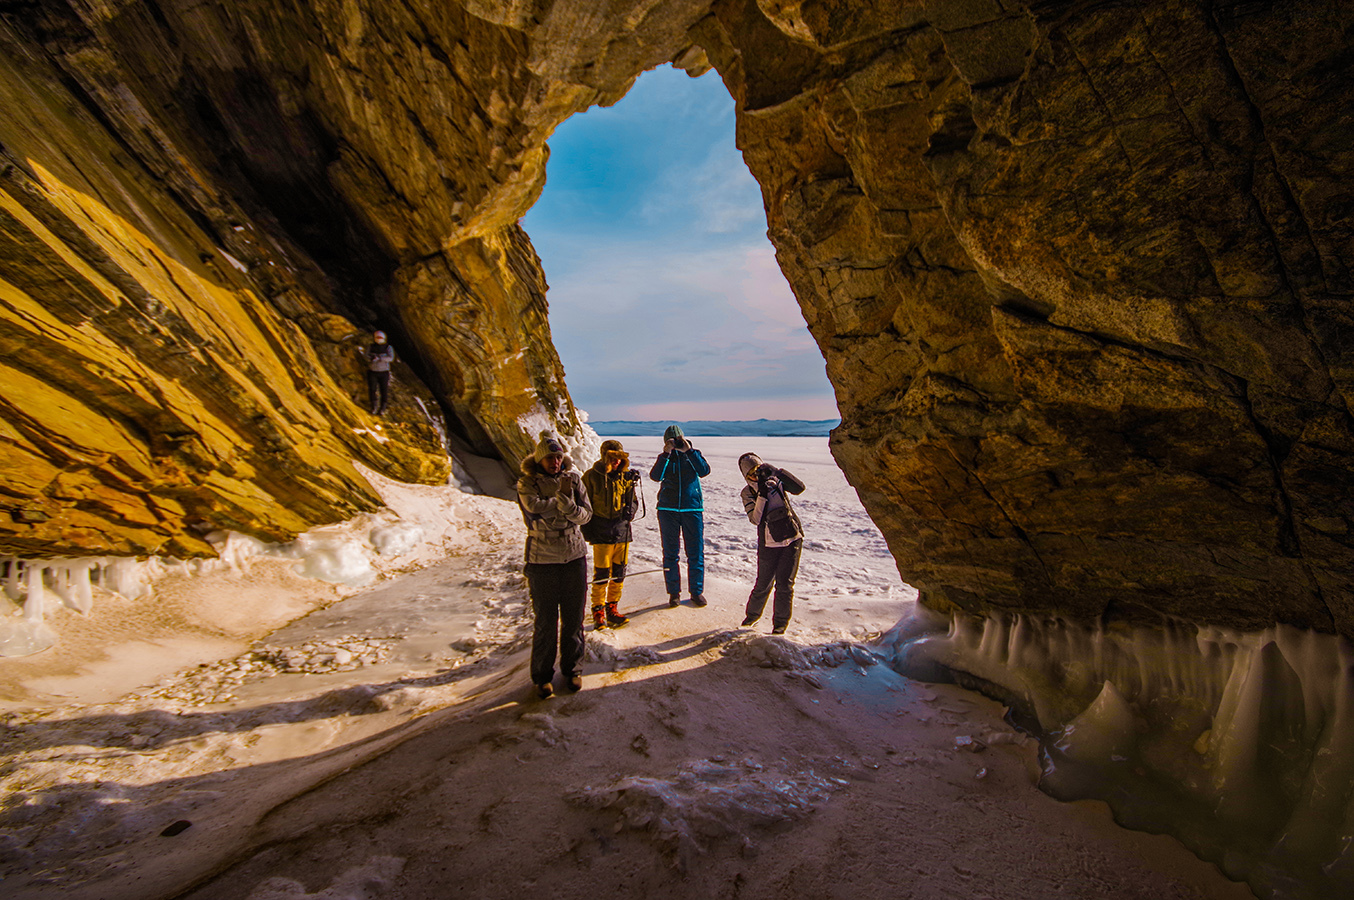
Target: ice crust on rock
710,801
1105,730
331,553
601,647
395,539
369,881
1240,744
775,652
584,447
37,583
333,557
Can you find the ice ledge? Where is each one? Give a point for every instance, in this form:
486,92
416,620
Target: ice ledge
1240,744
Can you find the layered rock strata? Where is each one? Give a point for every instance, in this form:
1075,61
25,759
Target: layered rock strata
1079,274
1077,270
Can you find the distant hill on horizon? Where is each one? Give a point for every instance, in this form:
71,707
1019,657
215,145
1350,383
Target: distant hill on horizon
708,428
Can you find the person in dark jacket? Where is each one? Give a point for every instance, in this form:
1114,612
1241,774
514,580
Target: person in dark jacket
611,488
379,357
679,469
554,504
780,538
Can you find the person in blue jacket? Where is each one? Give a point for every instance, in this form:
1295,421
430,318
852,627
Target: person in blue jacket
679,470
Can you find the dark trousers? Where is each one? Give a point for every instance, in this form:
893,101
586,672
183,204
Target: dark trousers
378,390
690,528
559,600
781,565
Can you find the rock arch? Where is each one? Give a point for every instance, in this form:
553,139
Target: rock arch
1078,270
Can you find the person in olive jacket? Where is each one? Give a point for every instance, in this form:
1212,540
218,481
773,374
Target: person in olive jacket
554,504
780,537
679,469
611,488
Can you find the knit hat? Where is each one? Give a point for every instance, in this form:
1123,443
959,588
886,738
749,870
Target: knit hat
748,463
379,336
549,445
673,433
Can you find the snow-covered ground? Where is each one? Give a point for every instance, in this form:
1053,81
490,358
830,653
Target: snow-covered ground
845,563
252,733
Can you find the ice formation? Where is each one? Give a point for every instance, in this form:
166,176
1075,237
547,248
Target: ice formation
330,554
584,447
710,801
395,539
368,881
1240,744
69,581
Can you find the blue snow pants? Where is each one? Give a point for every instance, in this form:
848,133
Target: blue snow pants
689,527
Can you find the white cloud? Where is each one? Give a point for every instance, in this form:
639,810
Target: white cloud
663,286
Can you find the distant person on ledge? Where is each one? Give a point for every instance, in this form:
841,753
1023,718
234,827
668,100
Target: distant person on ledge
554,505
780,538
379,357
679,469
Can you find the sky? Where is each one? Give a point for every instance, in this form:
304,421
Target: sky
665,298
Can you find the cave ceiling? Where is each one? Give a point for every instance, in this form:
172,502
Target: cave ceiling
1079,271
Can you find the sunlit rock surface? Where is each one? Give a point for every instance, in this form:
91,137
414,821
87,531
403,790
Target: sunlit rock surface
1080,275
205,211
1077,271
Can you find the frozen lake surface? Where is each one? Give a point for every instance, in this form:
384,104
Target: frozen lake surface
844,553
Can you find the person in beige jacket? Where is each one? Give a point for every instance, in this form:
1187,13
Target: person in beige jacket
554,505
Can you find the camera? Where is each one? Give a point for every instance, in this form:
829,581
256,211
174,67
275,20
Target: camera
767,477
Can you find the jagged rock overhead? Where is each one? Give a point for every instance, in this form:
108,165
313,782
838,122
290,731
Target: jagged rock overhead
1077,269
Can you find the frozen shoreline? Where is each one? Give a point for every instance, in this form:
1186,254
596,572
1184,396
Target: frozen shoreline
454,772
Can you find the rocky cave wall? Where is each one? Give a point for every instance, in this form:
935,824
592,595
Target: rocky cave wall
205,209
1077,269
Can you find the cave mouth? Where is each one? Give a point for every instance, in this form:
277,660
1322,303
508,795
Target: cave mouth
667,302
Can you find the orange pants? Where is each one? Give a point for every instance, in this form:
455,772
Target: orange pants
608,572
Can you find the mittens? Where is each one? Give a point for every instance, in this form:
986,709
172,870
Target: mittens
564,502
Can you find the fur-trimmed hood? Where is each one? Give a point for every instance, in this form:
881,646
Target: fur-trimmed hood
600,467
531,467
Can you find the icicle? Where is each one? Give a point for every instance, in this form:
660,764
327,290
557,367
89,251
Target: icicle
36,597
13,590
1105,730
127,578
76,592
1258,727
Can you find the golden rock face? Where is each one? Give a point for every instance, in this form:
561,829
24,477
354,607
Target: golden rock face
1079,277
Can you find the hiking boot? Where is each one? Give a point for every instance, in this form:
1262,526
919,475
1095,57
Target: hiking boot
599,618
750,620
614,618
698,600
573,684
674,600
545,691
779,629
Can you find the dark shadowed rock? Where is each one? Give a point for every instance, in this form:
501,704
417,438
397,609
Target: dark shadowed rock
1078,270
